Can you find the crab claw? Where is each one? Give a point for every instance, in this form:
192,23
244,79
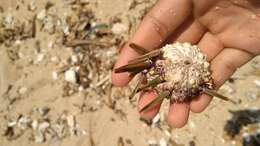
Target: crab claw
138,48
134,67
216,94
157,100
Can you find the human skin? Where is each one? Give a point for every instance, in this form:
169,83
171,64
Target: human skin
227,31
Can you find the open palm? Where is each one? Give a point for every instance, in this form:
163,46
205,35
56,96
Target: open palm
228,31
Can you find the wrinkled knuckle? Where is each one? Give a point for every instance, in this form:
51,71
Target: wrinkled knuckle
159,26
230,65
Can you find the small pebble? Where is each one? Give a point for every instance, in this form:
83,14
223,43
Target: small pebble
226,88
55,75
21,55
34,124
167,133
84,132
23,122
253,96
44,110
55,59
246,137
74,59
42,14
39,138
39,58
192,125
71,121
8,19
233,142
43,126
223,140
22,90
81,88
163,142
152,142
71,76
32,5
66,30
18,42
119,28
11,124
257,83
50,44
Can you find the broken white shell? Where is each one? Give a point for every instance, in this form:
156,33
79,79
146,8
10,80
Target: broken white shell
163,142
70,76
119,28
24,122
55,75
22,90
42,14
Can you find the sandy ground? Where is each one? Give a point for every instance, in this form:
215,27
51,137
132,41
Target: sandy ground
103,114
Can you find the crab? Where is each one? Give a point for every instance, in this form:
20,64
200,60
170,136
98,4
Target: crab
178,72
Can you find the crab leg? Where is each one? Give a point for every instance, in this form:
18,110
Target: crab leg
151,83
134,67
141,81
135,89
138,60
132,74
150,55
157,100
138,48
214,93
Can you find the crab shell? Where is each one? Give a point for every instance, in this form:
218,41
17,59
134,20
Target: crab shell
185,70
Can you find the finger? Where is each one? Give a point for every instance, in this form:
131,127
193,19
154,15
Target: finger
222,66
190,31
200,103
161,21
144,99
210,45
178,114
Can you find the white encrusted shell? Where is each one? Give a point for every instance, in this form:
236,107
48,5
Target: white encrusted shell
185,70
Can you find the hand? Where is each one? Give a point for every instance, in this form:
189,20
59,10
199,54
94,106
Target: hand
228,31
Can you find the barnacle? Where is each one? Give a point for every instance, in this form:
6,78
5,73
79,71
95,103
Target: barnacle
178,71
